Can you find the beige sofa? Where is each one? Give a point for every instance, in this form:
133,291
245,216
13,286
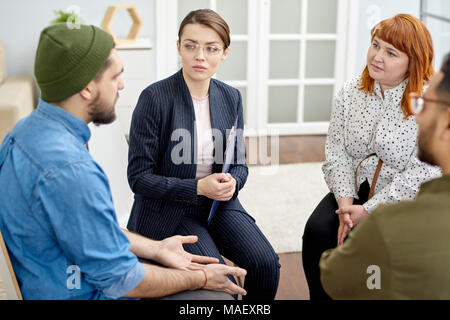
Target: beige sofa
18,96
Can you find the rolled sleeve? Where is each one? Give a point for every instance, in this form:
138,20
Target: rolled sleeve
127,283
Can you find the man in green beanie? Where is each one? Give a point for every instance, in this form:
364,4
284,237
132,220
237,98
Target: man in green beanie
56,212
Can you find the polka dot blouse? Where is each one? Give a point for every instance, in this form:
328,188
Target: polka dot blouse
362,124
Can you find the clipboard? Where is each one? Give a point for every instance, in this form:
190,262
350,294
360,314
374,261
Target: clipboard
228,159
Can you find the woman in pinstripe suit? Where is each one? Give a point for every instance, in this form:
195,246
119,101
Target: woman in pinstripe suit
177,135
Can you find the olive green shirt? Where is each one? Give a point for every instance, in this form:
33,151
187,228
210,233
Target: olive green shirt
400,251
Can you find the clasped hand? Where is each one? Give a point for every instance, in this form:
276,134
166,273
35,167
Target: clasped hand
217,186
349,216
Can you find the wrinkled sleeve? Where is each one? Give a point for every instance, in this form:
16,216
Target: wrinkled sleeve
338,165
86,228
406,184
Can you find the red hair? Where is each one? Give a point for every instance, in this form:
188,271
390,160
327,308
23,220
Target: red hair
409,35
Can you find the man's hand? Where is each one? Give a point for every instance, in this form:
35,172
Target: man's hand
170,252
349,216
217,186
160,282
217,279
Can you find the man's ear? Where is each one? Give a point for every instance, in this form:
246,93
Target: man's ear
88,92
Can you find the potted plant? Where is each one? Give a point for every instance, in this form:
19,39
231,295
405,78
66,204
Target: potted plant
71,17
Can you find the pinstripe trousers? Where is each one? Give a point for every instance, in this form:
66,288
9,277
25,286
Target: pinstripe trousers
235,235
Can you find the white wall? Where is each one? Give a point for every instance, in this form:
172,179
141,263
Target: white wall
21,22
440,30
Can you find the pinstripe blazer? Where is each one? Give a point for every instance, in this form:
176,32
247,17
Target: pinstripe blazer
165,188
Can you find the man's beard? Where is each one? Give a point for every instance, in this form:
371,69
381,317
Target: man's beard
424,142
100,112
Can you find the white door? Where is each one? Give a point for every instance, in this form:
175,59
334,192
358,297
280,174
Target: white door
287,57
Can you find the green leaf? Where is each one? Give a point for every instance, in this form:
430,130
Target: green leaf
62,17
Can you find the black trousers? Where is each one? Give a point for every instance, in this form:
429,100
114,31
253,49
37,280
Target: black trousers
320,235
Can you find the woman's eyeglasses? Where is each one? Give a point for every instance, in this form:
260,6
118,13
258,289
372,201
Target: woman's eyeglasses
417,102
208,50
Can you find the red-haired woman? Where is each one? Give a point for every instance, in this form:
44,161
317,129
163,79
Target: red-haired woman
177,139
371,145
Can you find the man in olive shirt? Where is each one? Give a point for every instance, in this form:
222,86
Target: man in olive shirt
402,251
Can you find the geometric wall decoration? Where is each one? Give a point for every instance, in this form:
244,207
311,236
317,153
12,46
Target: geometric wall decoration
135,28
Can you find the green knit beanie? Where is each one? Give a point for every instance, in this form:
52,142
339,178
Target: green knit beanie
68,59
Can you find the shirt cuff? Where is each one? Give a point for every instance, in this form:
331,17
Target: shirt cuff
344,193
370,206
126,283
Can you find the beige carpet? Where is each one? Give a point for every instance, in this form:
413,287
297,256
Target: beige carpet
281,200
2,291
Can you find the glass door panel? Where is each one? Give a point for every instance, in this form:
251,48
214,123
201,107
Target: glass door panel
283,59
322,16
318,103
283,104
234,67
285,16
235,13
320,56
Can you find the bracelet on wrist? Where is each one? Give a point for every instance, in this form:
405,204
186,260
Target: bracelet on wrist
206,279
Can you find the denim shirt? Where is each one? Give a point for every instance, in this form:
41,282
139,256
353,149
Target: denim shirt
56,213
